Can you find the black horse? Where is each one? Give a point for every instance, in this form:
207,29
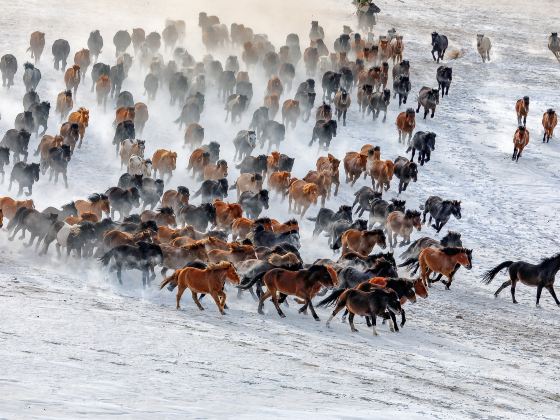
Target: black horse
439,45
326,217
197,216
25,175
212,189
401,86
4,160
66,210
444,75
406,171
324,131
262,237
425,143
123,200
380,209
441,211
253,203
365,196
541,275
38,224
144,257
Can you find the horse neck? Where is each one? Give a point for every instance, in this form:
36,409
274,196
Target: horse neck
553,266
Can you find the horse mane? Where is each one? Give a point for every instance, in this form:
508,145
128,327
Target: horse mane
373,232
291,222
222,265
262,220
166,210
194,246
451,250
550,259
412,213
94,198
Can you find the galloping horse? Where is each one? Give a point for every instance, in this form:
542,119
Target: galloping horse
520,141
541,275
444,261
210,280
304,284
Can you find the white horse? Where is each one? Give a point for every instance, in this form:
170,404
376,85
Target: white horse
137,165
483,45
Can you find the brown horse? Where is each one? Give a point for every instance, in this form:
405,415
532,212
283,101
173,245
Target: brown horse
419,288
47,143
64,103
385,50
175,198
362,242
226,213
398,47
323,180
197,161
113,238
124,113
274,87
217,171
210,280
522,109
175,258
167,234
82,59
364,94
279,182
165,216
240,228
380,171
288,226
402,224
194,135
102,90
81,116
332,164
36,45
272,102
304,284
141,116
302,194
373,303
549,121
72,78
444,261
96,204
85,217
354,166
520,141
9,206
236,254
290,112
164,162
406,122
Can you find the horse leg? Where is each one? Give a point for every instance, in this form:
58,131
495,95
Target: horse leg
218,303
513,283
550,288
312,309
514,153
502,287
275,301
119,273
263,297
351,322
394,326
539,291
303,309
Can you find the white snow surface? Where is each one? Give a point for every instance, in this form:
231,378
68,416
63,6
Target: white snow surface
75,344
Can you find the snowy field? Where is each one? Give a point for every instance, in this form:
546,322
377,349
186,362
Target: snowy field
74,344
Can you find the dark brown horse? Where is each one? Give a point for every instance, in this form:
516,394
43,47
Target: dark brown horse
304,284
541,275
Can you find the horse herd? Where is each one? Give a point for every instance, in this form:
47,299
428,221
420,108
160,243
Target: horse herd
262,256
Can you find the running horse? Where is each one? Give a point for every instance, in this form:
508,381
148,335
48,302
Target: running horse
541,275
520,141
444,262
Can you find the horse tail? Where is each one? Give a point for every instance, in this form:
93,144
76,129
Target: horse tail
247,284
196,194
330,299
107,257
406,254
490,274
17,219
337,244
409,263
171,279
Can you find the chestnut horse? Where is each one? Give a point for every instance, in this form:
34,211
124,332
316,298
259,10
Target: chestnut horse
520,141
304,284
81,117
9,206
236,254
402,224
210,280
406,122
444,261
96,204
72,78
362,242
549,121
354,166
302,194
398,48
332,164
380,171
522,109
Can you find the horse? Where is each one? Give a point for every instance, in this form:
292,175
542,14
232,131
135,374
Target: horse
549,121
410,256
441,210
541,275
405,171
236,254
380,171
326,217
483,45
373,304
164,162
522,109
425,143
445,261
9,206
444,75
429,99
302,194
342,102
72,78
520,141
96,204
354,165
178,257
402,224
165,216
554,45
439,45
304,284
362,242
210,280
398,48
64,103
25,174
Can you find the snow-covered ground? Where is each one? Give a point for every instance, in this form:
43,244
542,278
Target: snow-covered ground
75,344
